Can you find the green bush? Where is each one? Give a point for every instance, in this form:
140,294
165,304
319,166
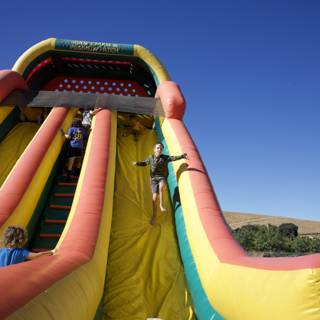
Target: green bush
275,241
288,230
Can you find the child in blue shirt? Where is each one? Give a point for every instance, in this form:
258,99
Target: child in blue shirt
76,135
13,252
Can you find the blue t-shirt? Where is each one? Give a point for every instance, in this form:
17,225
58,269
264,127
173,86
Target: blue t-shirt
12,256
77,135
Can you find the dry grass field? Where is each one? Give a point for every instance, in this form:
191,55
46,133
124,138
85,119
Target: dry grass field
237,219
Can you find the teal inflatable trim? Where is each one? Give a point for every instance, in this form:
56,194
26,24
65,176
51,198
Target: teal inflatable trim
201,305
94,47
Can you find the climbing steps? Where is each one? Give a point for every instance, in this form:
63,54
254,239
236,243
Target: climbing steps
55,214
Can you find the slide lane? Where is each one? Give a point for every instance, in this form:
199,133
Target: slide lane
14,134
13,145
68,285
145,276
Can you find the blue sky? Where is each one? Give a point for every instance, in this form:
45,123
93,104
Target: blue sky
250,72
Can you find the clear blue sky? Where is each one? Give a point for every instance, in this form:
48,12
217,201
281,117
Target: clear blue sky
250,71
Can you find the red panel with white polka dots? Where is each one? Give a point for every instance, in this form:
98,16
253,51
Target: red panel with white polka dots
96,85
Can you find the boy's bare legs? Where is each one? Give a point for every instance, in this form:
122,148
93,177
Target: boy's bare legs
70,164
154,208
77,165
162,184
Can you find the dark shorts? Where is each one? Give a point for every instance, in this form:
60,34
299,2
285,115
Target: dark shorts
155,183
74,152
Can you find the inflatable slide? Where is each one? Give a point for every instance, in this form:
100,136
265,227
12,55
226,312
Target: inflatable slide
110,262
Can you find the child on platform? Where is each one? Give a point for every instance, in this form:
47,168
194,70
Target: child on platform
158,173
13,252
87,117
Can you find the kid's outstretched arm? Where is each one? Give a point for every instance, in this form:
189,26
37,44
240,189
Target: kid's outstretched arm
141,163
174,158
35,255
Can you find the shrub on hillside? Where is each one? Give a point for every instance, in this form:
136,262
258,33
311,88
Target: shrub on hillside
288,230
275,241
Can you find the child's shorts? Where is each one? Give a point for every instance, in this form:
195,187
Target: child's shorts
74,152
155,183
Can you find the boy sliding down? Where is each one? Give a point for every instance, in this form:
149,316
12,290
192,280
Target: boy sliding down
158,173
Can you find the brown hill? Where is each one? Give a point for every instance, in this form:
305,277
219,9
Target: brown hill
237,219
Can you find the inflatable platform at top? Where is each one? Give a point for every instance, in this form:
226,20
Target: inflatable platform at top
111,263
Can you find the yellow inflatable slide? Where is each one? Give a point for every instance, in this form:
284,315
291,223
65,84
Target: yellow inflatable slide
111,263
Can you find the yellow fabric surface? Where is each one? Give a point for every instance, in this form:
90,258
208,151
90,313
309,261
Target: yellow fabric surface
145,276
152,61
13,146
4,112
